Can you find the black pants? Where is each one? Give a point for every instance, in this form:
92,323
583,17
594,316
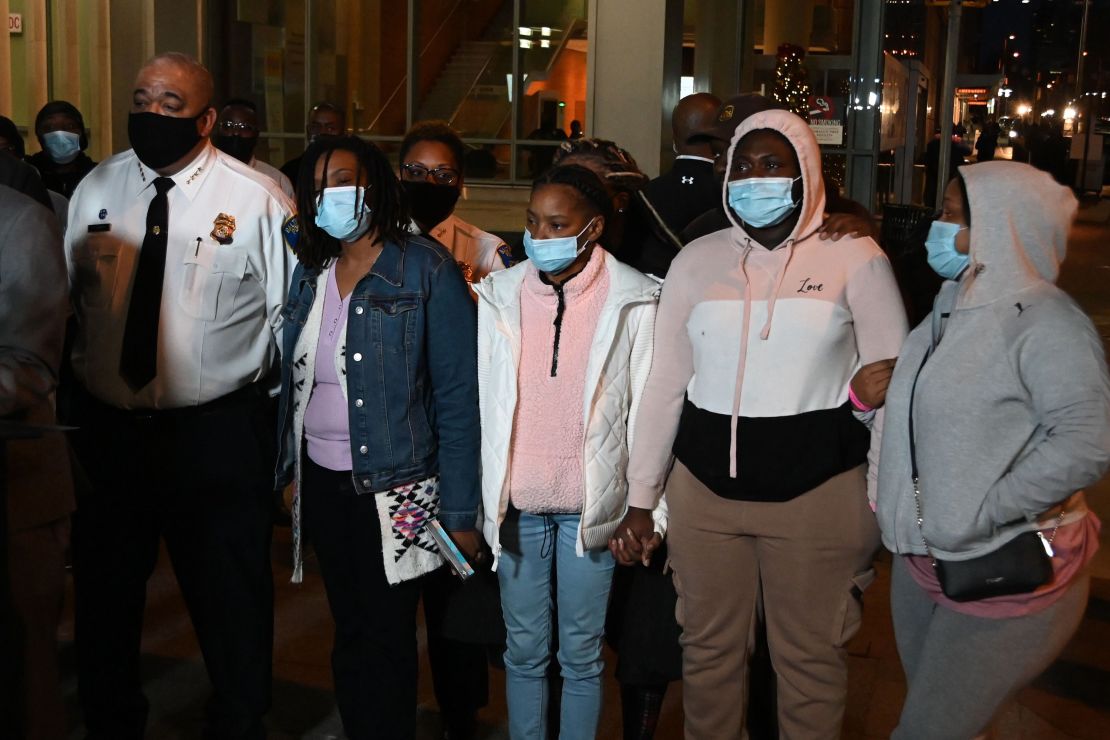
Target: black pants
374,658
201,478
460,674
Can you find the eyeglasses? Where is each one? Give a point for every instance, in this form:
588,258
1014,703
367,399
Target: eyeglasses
232,127
442,175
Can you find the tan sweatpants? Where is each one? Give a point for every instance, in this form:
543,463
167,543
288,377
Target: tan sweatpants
811,558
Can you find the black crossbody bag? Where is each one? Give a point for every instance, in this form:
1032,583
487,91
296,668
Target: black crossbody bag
1018,567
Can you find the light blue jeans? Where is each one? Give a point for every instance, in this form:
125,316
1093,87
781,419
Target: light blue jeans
530,555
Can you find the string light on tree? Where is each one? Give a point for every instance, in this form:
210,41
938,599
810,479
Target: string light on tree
791,87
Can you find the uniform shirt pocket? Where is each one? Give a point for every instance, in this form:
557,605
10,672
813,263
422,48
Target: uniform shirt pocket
97,265
210,280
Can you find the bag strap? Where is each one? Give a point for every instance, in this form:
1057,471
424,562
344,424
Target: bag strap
913,460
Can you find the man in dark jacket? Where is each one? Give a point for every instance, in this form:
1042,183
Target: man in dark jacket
61,132
689,188
17,174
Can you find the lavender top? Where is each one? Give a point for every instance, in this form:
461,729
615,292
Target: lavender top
326,422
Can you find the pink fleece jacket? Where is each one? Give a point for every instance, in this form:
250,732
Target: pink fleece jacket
545,458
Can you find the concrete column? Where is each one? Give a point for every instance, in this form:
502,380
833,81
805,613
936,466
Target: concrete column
23,63
131,26
104,142
633,76
5,64
34,31
787,23
863,125
721,46
177,26
66,54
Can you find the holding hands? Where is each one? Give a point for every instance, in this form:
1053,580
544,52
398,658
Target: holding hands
635,539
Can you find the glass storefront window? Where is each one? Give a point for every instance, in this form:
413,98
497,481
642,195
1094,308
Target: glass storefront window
464,66
259,48
370,77
819,26
823,29
503,73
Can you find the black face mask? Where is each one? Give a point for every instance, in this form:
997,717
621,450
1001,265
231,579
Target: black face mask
240,147
159,140
430,203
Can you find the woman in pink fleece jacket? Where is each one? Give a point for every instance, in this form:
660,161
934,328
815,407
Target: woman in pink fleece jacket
761,329
564,349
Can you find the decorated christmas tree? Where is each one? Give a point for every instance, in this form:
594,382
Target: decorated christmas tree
791,88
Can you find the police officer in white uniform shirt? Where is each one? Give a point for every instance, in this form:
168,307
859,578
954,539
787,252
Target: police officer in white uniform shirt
179,274
431,158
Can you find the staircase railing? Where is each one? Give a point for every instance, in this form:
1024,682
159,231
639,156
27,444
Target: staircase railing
405,78
474,84
571,24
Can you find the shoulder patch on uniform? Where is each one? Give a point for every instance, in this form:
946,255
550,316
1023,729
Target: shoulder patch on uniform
291,231
506,255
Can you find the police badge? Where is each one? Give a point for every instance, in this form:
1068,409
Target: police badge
467,271
223,228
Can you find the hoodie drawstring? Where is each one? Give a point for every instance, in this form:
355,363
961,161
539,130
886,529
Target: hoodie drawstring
766,332
744,335
743,357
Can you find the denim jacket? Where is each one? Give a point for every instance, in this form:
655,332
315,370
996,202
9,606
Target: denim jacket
412,377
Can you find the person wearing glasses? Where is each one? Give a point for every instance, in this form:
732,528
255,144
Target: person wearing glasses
237,134
432,177
431,159
325,119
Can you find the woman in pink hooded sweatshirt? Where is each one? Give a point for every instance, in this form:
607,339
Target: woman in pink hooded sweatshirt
761,328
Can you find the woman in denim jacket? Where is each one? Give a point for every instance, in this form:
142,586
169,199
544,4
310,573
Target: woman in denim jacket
378,420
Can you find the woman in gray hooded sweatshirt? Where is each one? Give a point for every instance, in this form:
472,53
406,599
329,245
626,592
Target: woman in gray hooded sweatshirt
1010,421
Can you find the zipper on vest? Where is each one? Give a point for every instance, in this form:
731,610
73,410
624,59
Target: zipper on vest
560,310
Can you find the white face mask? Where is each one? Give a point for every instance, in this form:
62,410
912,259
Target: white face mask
940,245
762,201
554,255
62,146
336,212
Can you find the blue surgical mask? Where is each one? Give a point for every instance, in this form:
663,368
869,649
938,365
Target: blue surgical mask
336,213
940,244
554,255
62,146
762,201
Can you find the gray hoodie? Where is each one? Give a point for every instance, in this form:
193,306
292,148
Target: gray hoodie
1012,409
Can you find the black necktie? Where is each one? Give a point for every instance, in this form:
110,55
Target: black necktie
139,356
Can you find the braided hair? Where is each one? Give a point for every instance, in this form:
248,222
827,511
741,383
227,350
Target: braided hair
613,163
587,184
382,196
621,175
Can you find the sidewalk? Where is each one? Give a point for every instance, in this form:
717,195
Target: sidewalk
1071,700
